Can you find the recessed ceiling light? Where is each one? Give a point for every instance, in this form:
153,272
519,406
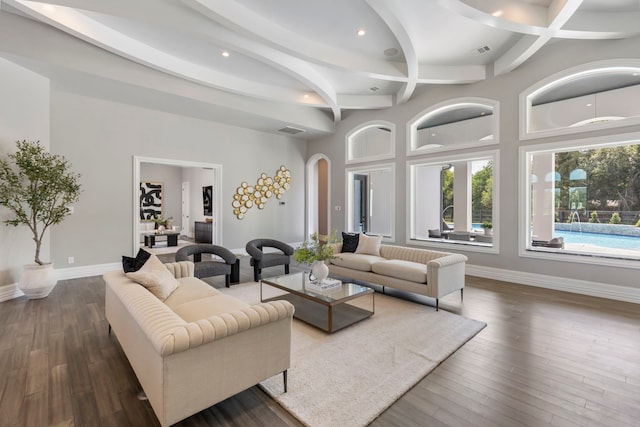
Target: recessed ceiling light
49,8
225,54
497,13
361,32
589,105
306,96
392,51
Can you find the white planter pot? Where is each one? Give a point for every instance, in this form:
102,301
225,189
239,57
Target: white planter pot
488,231
319,271
37,281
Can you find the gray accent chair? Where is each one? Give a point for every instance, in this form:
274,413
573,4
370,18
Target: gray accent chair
261,259
229,264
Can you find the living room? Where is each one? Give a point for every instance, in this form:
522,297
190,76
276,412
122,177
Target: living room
101,111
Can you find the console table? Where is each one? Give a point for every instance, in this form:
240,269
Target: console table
203,231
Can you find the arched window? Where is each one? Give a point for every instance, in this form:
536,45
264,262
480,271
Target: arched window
454,124
598,95
371,141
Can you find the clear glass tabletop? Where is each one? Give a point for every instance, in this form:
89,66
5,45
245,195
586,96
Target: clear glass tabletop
297,283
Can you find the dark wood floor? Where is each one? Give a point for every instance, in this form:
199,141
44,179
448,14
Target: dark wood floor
545,358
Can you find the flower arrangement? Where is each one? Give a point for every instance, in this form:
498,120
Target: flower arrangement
316,249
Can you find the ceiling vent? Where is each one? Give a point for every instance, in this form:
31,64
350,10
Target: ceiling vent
481,50
290,130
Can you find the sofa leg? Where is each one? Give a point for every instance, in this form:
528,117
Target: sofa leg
284,377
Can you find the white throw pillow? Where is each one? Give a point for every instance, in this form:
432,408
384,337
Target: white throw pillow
155,277
369,245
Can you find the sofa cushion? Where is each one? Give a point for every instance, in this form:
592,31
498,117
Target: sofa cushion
134,264
191,288
195,300
400,269
155,277
368,245
349,242
359,262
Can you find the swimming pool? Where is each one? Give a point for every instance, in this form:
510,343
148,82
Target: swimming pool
604,240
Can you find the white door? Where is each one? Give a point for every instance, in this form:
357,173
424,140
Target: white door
186,224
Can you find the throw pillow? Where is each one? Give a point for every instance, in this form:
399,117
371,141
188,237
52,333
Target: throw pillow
349,242
369,245
155,277
134,264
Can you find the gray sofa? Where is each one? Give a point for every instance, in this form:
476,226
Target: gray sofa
421,271
199,346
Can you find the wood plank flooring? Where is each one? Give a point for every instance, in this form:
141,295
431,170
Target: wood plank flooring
545,358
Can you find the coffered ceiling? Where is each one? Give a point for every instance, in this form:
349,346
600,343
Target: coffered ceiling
268,64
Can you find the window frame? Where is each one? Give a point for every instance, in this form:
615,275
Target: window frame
363,128
412,125
349,194
454,244
525,99
525,250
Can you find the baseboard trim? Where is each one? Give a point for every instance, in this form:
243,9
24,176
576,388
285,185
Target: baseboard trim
8,292
86,271
582,287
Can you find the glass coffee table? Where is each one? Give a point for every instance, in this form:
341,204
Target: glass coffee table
329,310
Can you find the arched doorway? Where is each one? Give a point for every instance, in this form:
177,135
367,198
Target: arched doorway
318,195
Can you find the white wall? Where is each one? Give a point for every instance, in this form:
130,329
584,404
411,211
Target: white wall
101,137
505,89
24,114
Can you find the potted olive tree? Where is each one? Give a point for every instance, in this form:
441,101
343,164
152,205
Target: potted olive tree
37,187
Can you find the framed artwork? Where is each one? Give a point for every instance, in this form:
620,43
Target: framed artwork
207,200
150,200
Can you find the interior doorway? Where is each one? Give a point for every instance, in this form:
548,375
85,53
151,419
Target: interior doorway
197,175
318,195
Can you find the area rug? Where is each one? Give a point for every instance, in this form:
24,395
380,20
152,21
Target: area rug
348,378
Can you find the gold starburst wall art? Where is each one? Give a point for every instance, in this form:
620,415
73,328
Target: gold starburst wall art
248,196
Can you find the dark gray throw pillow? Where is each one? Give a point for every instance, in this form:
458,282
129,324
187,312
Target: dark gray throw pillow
349,242
130,265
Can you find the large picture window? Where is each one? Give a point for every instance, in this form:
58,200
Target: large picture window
453,200
583,198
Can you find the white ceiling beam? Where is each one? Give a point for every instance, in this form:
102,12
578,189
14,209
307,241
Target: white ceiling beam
67,59
394,23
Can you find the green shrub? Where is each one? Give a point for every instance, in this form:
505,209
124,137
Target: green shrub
615,218
594,217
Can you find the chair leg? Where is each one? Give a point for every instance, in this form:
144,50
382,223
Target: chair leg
227,280
437,304
109,328
286,269
284,377
462,294
235,272
256,273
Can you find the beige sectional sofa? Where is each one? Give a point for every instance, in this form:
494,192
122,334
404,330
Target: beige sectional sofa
422,271
199,346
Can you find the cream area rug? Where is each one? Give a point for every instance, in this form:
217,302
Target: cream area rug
348,378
